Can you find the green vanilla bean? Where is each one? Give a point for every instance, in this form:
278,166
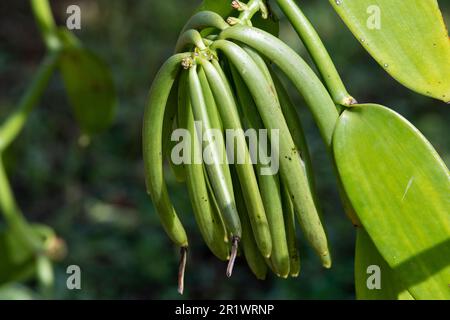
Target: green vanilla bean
303,77
261,64
269,185
231,120
188,39
316,96
216,210
152,136
295,126
152,148
292,170
170,123
318,52
313,91
292,119
196,181
210,102
298,135
222,75
205,19
289,220
214,148
213,112
290,114
13,215
253,256
44,18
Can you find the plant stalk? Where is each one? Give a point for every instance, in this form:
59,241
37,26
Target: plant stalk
14,216
253,6
318,52
13,125
8,133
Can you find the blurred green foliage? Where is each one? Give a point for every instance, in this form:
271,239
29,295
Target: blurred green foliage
92,190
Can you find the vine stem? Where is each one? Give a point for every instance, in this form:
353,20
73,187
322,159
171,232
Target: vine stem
330,76
318,52
46,23
252,7
13,125
14,216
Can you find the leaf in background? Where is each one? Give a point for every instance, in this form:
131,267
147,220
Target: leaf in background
89,85
223,7
17,262
400,190
407,38
366,254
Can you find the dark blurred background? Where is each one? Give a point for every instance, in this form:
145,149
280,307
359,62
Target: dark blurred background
93,194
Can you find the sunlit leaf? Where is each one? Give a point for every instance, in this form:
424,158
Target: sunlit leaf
400,190
407,38
369,265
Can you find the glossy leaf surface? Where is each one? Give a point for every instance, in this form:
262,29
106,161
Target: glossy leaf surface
400,190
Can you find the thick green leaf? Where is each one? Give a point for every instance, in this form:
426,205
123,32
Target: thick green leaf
367,255
407,38
400,190
223,7
90,88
